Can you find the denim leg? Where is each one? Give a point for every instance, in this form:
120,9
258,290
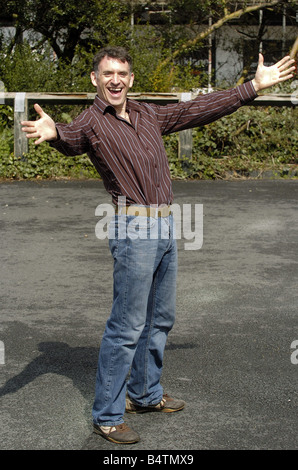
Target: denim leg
137,316
144,384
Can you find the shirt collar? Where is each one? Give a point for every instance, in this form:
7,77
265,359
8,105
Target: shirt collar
104,107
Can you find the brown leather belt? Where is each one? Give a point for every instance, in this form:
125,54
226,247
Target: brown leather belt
151,211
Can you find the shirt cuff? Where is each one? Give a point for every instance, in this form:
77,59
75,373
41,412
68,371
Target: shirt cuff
58,139
247,92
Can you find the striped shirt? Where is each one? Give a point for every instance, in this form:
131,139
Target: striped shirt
130,156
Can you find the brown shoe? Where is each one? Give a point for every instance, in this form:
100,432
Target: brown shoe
120,434
166,405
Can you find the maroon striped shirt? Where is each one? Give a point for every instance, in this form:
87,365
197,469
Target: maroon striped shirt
130,157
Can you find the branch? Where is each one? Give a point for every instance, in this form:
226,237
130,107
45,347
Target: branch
228,17
294,49
246,69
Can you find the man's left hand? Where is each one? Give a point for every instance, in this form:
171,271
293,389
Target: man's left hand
268,76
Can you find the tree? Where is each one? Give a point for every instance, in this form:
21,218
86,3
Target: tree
167,39
68,24
220,10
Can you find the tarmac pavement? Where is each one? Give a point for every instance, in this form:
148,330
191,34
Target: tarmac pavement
231,354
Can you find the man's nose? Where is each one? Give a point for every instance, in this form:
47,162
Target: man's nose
115,78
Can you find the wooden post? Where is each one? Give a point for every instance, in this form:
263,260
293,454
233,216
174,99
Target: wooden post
185,137
185,144
20,114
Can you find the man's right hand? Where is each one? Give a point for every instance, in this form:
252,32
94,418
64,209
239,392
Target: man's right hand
42,129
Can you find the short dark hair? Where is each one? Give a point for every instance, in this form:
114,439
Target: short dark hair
115,52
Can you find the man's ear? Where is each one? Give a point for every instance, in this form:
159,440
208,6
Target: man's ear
93,78
131,80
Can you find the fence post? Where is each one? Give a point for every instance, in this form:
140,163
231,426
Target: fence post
20,114
185,137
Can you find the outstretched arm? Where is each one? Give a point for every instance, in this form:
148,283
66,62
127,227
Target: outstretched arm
42,129
268,76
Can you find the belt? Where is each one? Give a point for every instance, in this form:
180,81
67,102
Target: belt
162,211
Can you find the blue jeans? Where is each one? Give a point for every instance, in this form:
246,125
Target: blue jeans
143,313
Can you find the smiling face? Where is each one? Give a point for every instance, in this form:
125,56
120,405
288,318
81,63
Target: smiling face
113,81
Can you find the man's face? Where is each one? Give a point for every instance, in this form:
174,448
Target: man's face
112,81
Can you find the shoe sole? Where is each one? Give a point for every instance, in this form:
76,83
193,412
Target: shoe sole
108,438
148,410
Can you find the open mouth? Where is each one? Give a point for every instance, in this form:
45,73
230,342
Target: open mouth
115,91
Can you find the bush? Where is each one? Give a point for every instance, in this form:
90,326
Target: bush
27,70
43,162
250,141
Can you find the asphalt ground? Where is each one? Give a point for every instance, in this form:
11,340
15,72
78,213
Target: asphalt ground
231,355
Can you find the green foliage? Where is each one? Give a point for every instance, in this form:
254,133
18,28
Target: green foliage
41,162
27,70
24,69
248,142
59,59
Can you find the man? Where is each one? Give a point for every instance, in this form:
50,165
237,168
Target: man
123,139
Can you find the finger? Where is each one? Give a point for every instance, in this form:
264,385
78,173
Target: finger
288,71
283,61
33,135
39,141
286,65
261,59
283,79
39,109
28,128
28,123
